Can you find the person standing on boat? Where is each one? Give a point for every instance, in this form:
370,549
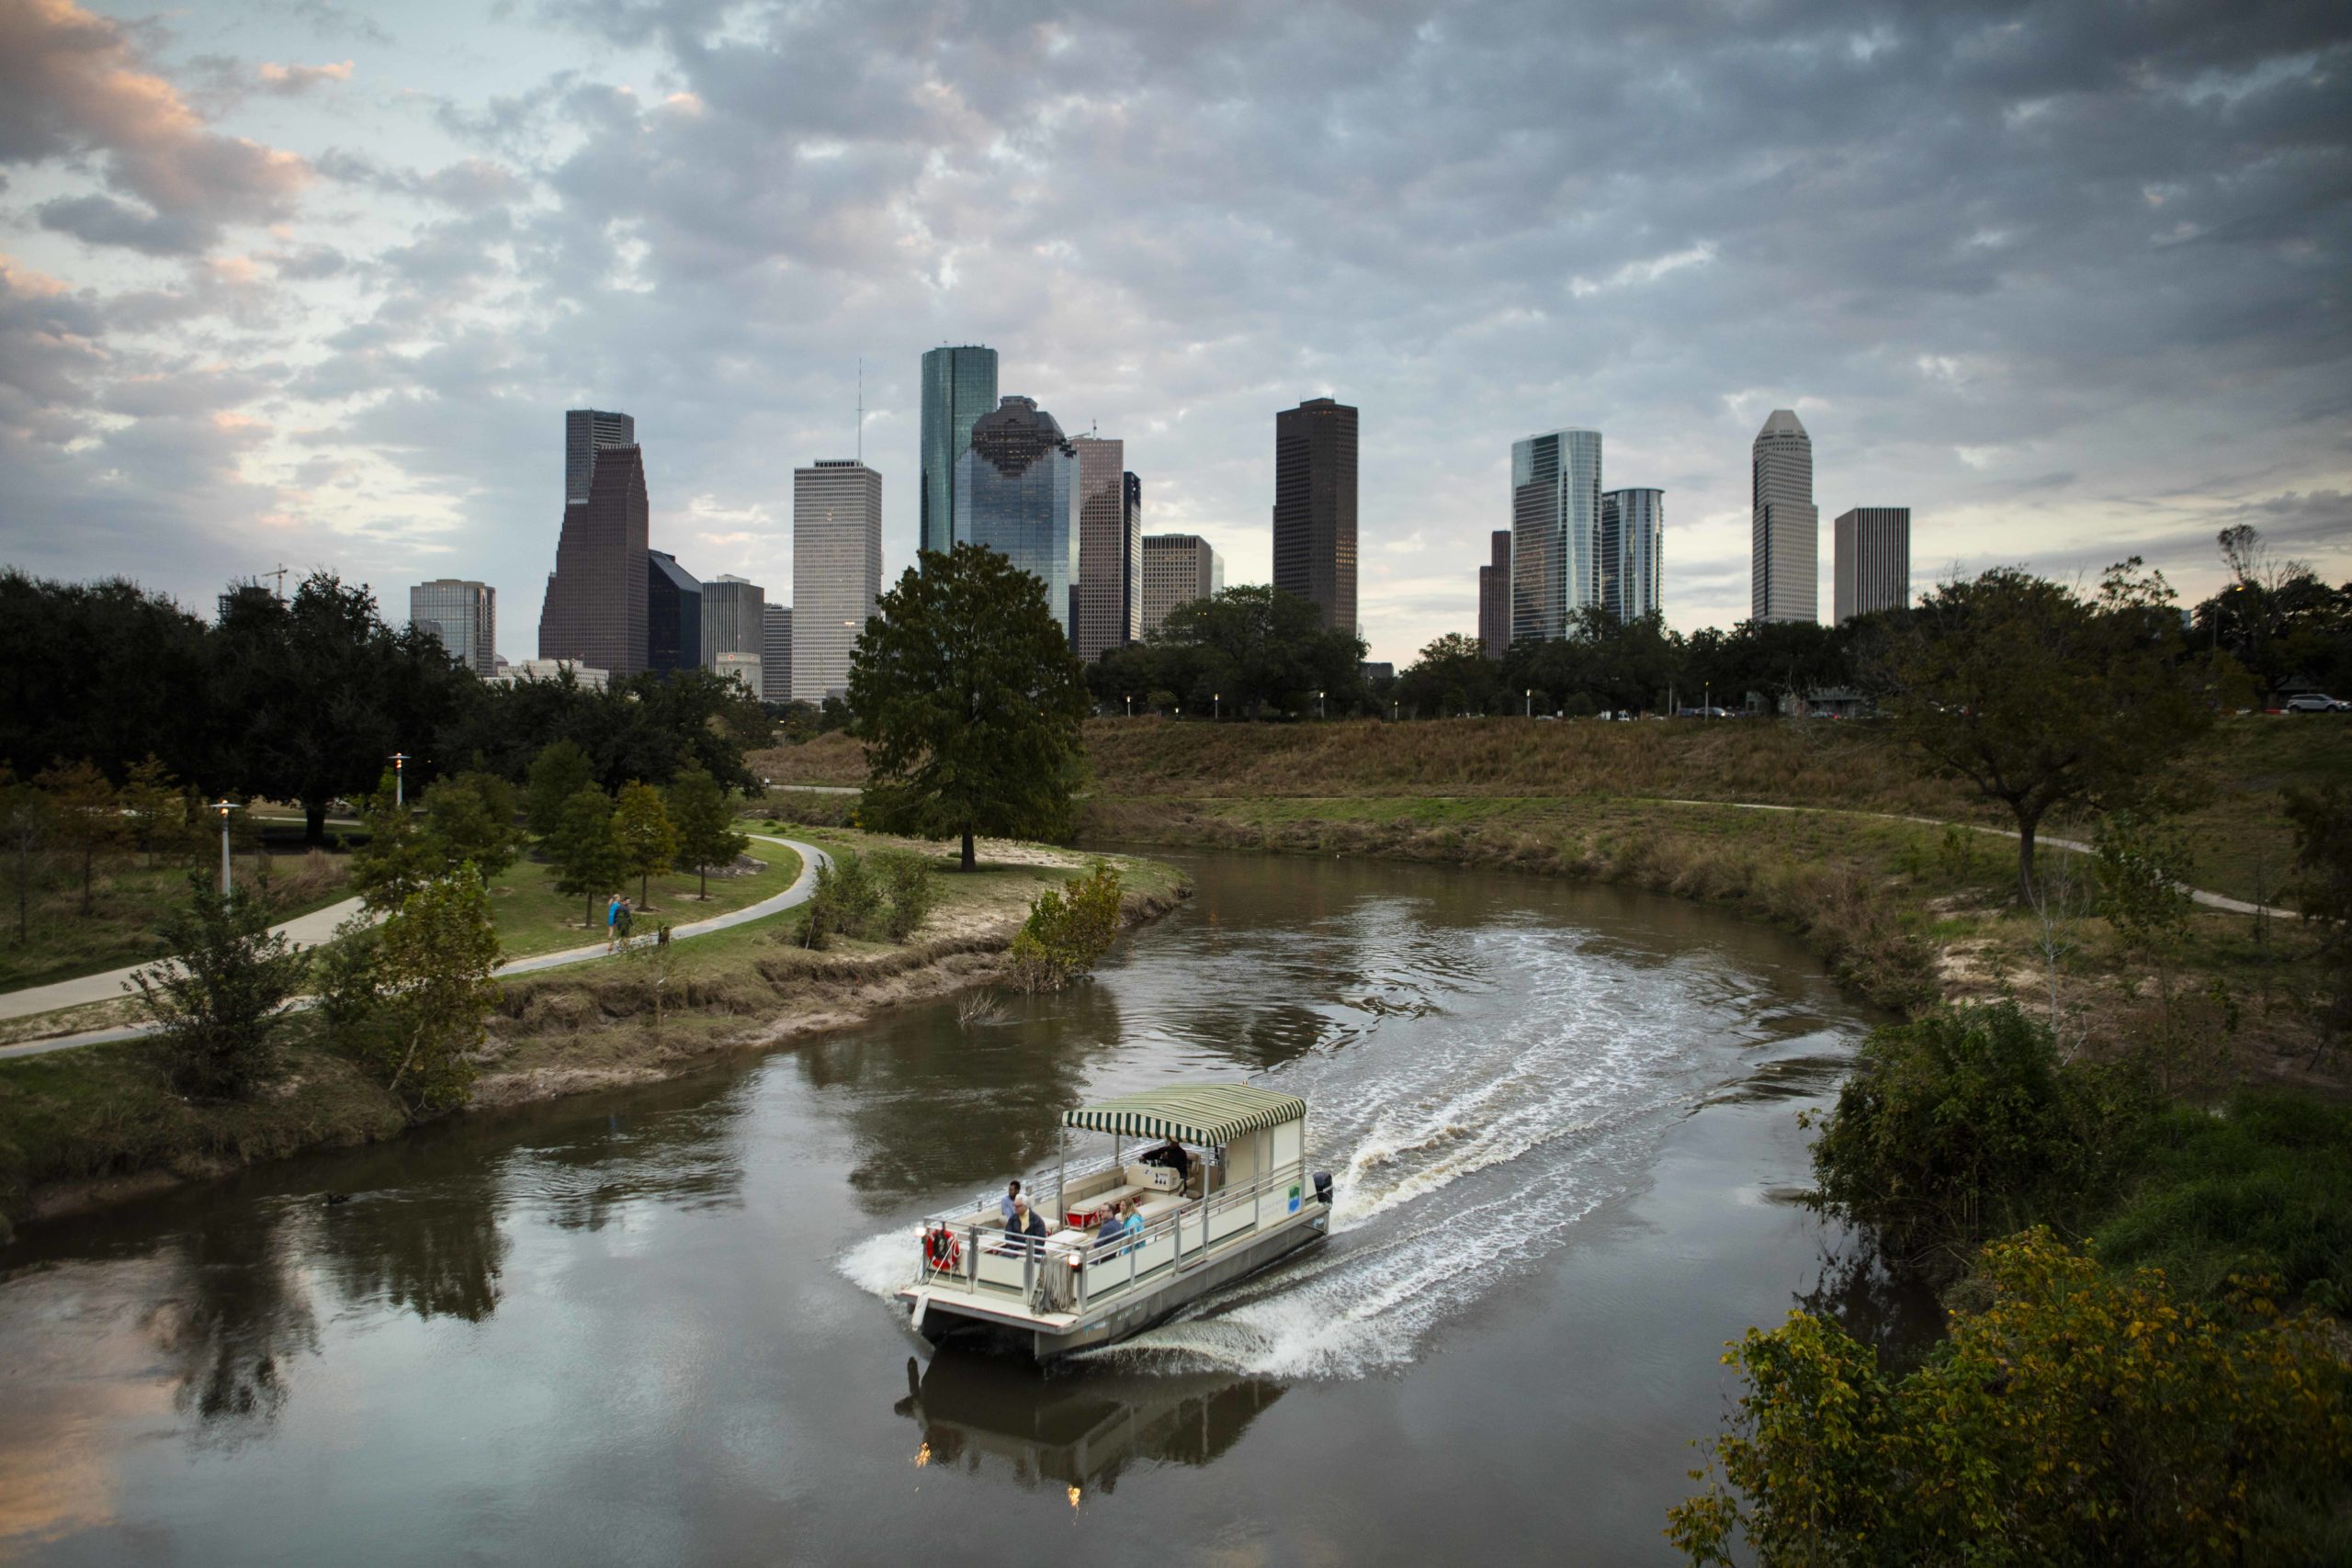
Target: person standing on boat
1010,1202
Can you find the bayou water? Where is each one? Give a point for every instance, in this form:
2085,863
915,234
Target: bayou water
651,1325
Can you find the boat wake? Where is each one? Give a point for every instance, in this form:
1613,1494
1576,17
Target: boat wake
1468,1140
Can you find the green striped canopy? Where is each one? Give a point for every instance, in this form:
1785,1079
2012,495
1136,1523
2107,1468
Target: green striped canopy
1190,1113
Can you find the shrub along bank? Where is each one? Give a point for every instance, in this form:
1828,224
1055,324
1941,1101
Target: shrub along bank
101,1122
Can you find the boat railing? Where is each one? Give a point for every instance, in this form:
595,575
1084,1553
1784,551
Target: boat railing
1050,1274
1072,1173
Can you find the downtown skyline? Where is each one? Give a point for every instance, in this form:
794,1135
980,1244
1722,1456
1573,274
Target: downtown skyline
320,310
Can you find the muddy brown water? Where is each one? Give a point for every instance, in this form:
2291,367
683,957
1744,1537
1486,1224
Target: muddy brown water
649,1326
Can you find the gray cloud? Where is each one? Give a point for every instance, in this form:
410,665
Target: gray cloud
2069,282
72,84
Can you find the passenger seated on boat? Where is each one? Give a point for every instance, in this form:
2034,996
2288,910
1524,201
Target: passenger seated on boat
1011,1199
1026,1224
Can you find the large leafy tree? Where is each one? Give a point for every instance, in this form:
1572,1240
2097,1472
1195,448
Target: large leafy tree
104,671
968,700
1453,675
2043,699
311,694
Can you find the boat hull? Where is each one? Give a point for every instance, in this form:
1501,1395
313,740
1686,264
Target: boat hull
943,1316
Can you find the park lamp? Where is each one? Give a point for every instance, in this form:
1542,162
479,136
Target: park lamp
224,806
399,778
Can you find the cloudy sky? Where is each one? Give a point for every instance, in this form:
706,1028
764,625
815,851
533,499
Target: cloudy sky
311,282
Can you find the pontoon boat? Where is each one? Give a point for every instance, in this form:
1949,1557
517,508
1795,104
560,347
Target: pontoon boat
1215,1178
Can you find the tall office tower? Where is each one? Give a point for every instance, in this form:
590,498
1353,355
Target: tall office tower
1784,545
584,431
1315,508
1176,569
466,616
1872,561
1494,598
1632,540
732,619
1109,531
836,571
958,387
673,614
776,653
1554,531
1017,492
595,612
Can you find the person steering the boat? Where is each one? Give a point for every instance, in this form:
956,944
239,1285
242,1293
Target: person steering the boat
1172,1154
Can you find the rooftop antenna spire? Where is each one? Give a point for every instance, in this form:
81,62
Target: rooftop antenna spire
861,409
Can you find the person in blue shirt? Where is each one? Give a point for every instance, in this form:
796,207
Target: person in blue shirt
1004,1206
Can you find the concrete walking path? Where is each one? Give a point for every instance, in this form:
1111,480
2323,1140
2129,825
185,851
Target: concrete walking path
803,887
303,930
2211,900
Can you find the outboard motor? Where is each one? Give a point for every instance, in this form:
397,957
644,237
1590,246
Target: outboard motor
1323,1188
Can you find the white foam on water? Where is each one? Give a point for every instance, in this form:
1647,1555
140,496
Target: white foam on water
1469,1139
883,1264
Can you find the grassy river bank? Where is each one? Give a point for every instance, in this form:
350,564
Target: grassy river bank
96,1123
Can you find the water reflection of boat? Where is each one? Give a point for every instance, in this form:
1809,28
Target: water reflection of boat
1220,1189
983,1412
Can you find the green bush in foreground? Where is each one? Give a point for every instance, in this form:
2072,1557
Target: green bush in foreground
880,896
2077,1419
1965,1125
1067,931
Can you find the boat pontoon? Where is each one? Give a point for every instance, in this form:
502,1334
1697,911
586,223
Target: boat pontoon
1217,1175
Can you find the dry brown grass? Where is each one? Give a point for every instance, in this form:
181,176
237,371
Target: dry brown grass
1848,765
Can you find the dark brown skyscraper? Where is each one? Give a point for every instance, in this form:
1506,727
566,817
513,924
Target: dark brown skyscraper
595,605
1494,598
1315,508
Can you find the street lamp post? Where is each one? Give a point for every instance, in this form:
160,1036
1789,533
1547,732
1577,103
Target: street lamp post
1318,704
1218,698
1131,705
400,779
1530,702
1396,710
1706,699
224,806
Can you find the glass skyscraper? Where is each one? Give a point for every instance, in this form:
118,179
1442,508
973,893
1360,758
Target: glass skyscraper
1017,492
1633,536
673,614
585,430
465,615
1554,531
958,387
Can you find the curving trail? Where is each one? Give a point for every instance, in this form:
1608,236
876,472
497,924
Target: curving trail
306,932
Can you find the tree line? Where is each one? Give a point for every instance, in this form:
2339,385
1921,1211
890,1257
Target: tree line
304,699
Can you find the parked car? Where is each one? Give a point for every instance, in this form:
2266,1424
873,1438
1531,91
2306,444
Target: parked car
2315,702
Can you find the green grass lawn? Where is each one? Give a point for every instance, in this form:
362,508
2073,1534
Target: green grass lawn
62,942
532,918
